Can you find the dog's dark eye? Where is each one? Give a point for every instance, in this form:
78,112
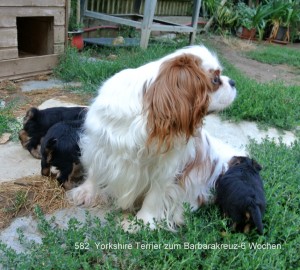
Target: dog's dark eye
216,80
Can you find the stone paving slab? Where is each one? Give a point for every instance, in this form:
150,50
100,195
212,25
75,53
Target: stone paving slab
28,86
29,225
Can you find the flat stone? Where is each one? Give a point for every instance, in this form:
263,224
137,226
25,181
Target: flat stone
29,225
239,134
28,86
16,162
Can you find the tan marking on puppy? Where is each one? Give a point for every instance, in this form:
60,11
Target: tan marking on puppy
247,228
46,171
247,216
36,152
24,138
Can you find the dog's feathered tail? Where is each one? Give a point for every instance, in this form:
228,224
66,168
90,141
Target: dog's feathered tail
256,217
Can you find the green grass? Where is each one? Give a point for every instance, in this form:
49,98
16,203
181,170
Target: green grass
8,123
91,73
274,54
76,246
269,104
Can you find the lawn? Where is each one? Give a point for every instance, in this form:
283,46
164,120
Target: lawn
273,54
205,242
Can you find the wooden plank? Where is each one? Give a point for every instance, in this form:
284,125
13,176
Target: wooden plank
32,3
8,53
195,17
59,34
25,75
7,20
172,28
57,12
59,48
147,22
29,64
110,18
8,37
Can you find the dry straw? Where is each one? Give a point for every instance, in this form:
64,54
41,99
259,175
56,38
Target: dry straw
19,197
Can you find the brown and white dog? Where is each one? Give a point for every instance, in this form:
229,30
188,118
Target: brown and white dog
144,142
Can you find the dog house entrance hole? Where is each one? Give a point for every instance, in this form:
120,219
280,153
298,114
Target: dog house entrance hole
35,36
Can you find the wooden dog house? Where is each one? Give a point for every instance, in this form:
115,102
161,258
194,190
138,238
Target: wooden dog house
32,35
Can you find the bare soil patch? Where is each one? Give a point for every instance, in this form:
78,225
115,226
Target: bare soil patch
232,49
11,92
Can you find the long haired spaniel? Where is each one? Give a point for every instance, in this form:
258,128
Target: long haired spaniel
143,143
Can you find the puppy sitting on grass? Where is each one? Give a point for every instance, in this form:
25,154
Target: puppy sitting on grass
60,149
37,122
240,194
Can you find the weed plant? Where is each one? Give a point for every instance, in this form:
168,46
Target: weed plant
8,123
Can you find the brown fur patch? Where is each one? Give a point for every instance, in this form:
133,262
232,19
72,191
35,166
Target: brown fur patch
46,171
216,80
29,115
75,177
36,152
177,101
247,228
23,137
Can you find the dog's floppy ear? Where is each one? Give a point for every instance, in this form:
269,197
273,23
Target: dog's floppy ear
177,101
256,165
30,114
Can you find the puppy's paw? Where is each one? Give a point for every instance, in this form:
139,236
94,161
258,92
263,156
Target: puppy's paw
83,195
36,152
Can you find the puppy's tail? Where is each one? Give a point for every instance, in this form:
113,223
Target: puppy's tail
257,218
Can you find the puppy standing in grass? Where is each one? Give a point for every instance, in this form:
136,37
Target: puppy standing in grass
240,194
143,143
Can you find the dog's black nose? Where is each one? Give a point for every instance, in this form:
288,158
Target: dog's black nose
232,83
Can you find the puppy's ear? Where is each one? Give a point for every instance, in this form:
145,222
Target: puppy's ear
30,115
177,101
256,165
235,160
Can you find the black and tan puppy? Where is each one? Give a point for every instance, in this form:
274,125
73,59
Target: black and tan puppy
37,122
240,194
60,149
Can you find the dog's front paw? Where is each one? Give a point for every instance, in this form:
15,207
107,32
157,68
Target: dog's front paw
83,195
